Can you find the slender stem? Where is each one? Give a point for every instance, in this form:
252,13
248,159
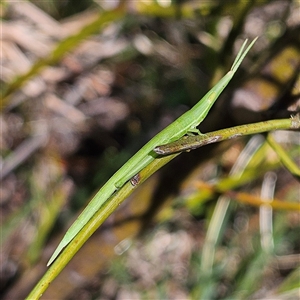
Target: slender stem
284,157
278,204
93,224
188,143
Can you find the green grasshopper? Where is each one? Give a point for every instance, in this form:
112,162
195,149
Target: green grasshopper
185,124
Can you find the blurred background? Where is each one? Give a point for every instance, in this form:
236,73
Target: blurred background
84,84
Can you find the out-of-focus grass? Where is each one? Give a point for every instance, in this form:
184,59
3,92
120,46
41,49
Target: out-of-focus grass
172,54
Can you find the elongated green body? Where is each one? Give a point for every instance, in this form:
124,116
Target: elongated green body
181,126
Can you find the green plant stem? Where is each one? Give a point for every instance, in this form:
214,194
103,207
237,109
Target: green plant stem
109,207
128,188
188,143
284,157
